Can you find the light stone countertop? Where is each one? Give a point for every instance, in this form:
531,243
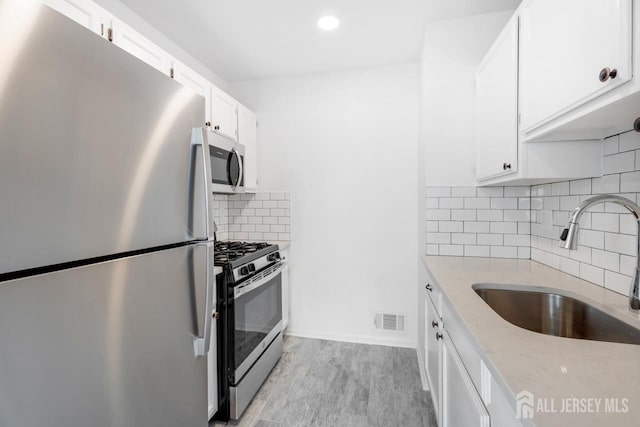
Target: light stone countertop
282,244
524,360
217,270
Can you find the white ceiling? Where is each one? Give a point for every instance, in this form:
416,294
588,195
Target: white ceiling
255,39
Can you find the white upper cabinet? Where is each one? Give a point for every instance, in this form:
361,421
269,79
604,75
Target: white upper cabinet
497,106
572,52
224,114
84,12
247,136
139,46
194,81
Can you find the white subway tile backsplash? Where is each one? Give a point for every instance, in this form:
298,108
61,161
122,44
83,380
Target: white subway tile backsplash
617,163
452,250
591,238
477,251
605,259
433,226
463,192
630,182
605,222
432,203
610,146
617,282
580,186
463,215
517,240
438,191
439,214
490,215
451,226
592,274
620,243
504,252
463,238
628,141
504,227
476,227
490,191
477,203
606,185
491,239
517,191
504,203
450,203
440,238
560,188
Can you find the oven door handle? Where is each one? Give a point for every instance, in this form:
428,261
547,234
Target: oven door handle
201,344
245,289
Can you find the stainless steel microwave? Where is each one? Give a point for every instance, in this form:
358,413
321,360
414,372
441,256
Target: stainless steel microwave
227,165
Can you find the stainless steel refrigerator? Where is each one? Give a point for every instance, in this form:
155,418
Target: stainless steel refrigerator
106,257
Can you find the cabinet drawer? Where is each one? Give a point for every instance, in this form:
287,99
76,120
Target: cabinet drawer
434,293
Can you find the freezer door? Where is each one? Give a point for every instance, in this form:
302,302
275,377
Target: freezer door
106,345
96,152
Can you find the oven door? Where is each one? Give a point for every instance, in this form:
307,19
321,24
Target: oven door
257,317
227,165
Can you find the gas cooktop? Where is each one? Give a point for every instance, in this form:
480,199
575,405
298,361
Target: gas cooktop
233,254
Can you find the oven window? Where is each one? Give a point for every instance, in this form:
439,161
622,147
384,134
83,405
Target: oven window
256,314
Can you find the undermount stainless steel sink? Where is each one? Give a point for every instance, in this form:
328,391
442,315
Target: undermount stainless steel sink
553,314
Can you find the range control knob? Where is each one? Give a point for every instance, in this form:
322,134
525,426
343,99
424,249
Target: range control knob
244,271
273,257
251,268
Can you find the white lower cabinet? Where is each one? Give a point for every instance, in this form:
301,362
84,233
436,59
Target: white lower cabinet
433,353
84,12
463,390
461,403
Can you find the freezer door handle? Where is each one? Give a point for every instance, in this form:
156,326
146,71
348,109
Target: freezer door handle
201,344
199,140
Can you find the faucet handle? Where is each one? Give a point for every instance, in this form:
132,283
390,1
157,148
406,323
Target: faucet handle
564,235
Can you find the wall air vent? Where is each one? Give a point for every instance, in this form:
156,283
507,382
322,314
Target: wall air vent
389,322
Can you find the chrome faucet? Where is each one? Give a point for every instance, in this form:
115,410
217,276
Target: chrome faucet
569,238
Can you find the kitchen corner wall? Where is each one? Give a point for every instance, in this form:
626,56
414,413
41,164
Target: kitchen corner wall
526,222
253,217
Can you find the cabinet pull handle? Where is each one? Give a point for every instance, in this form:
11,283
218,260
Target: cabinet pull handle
434,324
607,73
506,166
438,336
428,287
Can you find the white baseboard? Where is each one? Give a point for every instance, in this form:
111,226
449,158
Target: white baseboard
359,339
423,372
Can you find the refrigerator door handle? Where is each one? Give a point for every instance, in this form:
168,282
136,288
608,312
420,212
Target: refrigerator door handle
202,344
198,139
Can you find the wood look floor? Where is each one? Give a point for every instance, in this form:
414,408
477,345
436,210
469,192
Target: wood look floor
328,383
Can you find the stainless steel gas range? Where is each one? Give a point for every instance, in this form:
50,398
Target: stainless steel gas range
250,321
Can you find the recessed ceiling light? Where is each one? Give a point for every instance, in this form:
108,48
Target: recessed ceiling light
328,23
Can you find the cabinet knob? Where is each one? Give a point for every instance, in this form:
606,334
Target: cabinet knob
438,336
506,166
636,125
428,287
607,73
434,324
208,124
216,127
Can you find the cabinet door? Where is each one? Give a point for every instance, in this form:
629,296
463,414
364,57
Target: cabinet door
497,107
564,46
459,392
195,82
247,123
433,354
137,45
224,114
84,12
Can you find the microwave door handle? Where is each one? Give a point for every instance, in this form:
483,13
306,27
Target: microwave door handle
240,169
198,140
201,344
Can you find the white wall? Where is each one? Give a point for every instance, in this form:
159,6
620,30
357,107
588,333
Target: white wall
344,144
446,156
138,23
451,54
